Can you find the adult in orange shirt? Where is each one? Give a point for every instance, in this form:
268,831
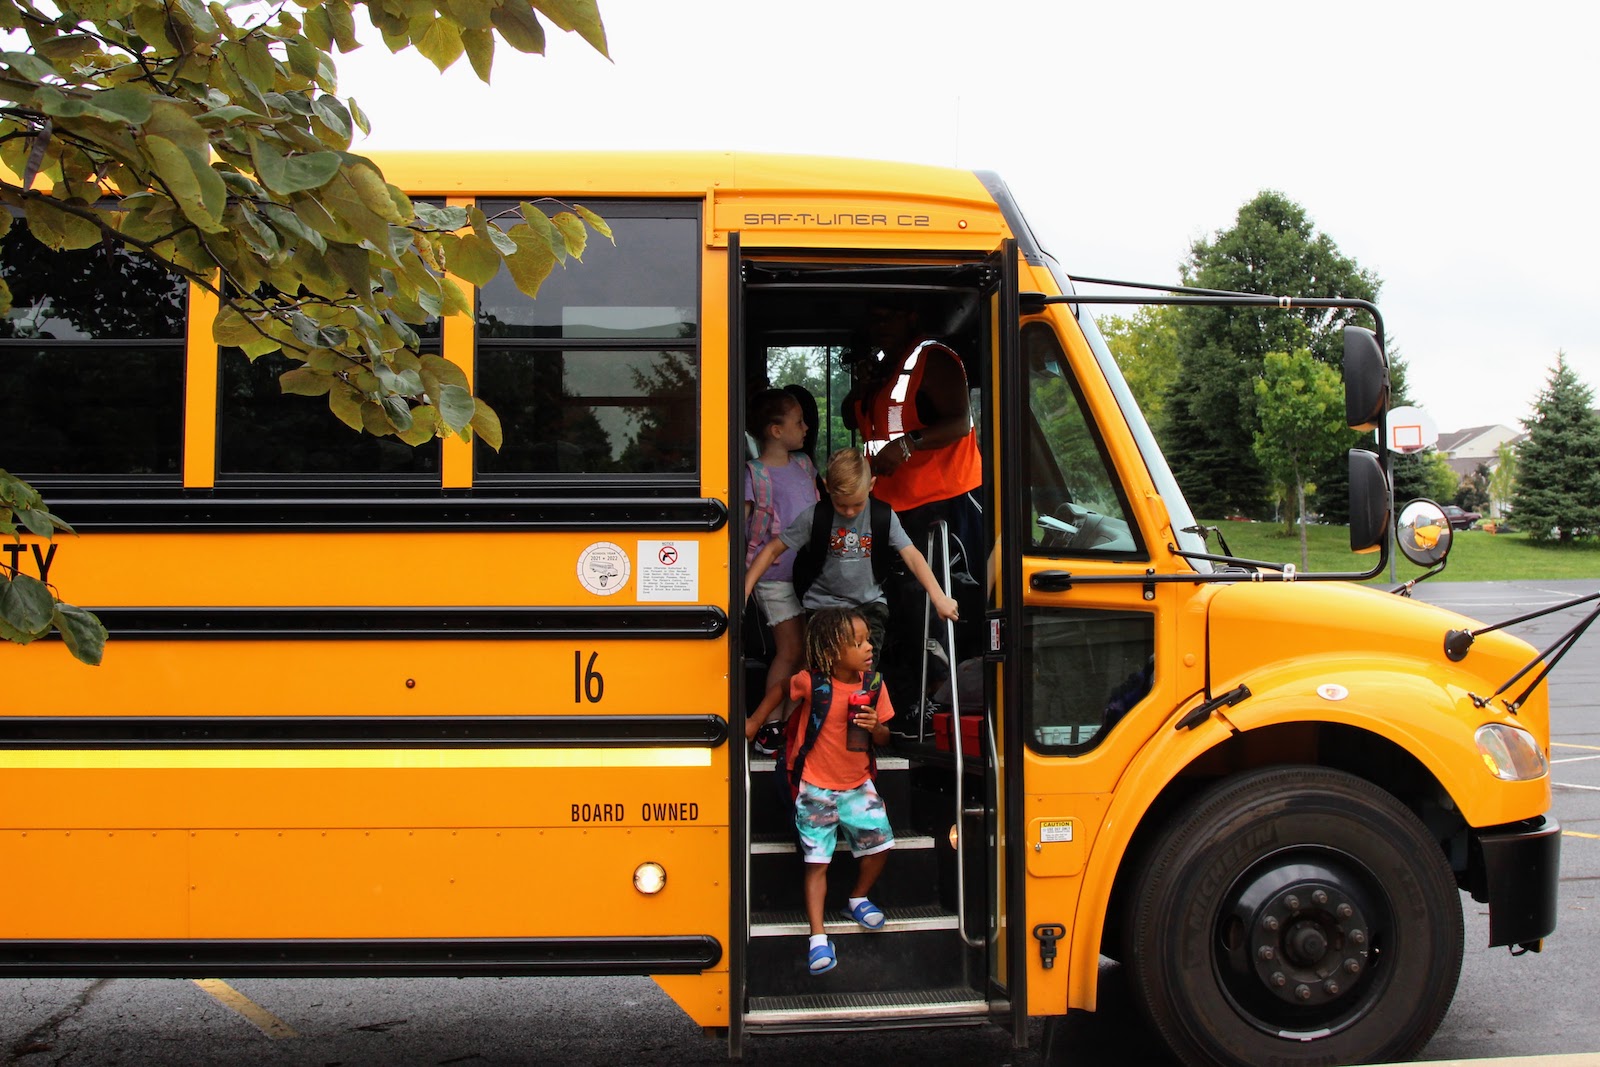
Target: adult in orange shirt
911,407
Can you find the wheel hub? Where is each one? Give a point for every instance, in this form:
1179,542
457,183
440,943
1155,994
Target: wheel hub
1307,933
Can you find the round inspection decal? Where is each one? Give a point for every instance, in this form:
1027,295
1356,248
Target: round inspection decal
1332,691
603,568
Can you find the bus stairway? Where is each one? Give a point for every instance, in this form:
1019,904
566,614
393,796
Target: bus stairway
917,970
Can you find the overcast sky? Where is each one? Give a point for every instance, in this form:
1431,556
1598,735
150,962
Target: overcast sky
1448,148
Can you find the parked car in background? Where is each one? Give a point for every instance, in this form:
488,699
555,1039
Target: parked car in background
1459,518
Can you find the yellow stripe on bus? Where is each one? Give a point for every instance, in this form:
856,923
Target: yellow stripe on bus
344,758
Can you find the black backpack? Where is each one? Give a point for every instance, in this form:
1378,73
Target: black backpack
811,723
809,557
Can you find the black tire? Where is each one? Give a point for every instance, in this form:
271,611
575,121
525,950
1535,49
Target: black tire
1294,915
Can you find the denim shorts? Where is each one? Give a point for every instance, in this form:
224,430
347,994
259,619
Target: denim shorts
778,602
819,815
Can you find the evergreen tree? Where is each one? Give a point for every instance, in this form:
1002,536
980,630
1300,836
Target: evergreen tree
1557,496
1212,417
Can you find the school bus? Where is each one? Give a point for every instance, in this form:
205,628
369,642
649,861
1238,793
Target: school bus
375,710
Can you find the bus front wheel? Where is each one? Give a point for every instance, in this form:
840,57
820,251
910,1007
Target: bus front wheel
1294,914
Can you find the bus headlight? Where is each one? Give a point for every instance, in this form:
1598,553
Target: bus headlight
1510,752
649,878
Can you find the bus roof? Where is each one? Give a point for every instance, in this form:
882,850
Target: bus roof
488,173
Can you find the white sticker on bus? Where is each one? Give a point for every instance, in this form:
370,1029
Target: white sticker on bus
669,571
603,568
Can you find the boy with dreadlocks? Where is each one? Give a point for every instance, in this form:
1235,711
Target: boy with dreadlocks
833,782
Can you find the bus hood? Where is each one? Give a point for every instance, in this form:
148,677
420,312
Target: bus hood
1256,629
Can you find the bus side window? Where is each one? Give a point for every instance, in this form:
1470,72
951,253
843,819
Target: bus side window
597,381
263,433
91,364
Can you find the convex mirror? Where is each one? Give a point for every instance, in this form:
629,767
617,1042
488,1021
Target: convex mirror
1423,533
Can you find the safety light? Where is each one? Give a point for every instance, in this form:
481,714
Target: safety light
1510,752
955,835
649,878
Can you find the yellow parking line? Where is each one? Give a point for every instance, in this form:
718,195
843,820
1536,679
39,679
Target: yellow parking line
260,1017
1569,744
1577,833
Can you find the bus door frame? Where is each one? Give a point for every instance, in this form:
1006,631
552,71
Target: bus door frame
1007,394
738,751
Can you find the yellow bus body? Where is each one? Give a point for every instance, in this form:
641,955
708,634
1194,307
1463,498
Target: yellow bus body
176,827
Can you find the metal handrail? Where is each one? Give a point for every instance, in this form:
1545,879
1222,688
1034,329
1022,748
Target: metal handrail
942,530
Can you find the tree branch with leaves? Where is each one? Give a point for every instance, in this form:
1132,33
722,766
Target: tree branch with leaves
209,138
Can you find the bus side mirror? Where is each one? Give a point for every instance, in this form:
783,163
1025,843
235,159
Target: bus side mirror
1366,379
1369,501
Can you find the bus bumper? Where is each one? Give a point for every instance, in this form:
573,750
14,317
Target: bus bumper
1515,869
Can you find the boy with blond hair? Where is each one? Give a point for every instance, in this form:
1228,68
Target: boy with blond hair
852,569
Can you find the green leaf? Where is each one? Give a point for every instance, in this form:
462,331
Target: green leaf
579,16
345,402
374,420
180,151
572,233
57,229
480,51
598,224
439,218
533,261
334,115
486,424
470,257
343,24
231,329
229,113
319,27
456,408
398,412
292,174
424,426
5,290
438,371
37,521
540,224
29,66
440,43
26,604
303,381
82,633
519,26
289,223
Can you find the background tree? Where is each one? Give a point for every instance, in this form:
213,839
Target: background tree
209,139
1302,422
1558,464
1503,478
1473,492
1145,345
1212,413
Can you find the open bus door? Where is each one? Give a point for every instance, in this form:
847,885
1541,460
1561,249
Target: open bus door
1080,655
938,961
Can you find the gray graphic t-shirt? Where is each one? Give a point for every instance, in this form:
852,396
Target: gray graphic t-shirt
846,578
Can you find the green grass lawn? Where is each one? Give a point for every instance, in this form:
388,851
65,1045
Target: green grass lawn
1476,556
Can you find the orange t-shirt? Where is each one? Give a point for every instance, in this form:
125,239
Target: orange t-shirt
829,764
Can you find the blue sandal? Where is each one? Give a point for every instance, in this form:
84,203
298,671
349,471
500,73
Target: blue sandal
821,959
868,915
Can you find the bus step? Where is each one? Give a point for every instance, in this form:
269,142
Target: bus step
815,1012
778,844
885,763
792,922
